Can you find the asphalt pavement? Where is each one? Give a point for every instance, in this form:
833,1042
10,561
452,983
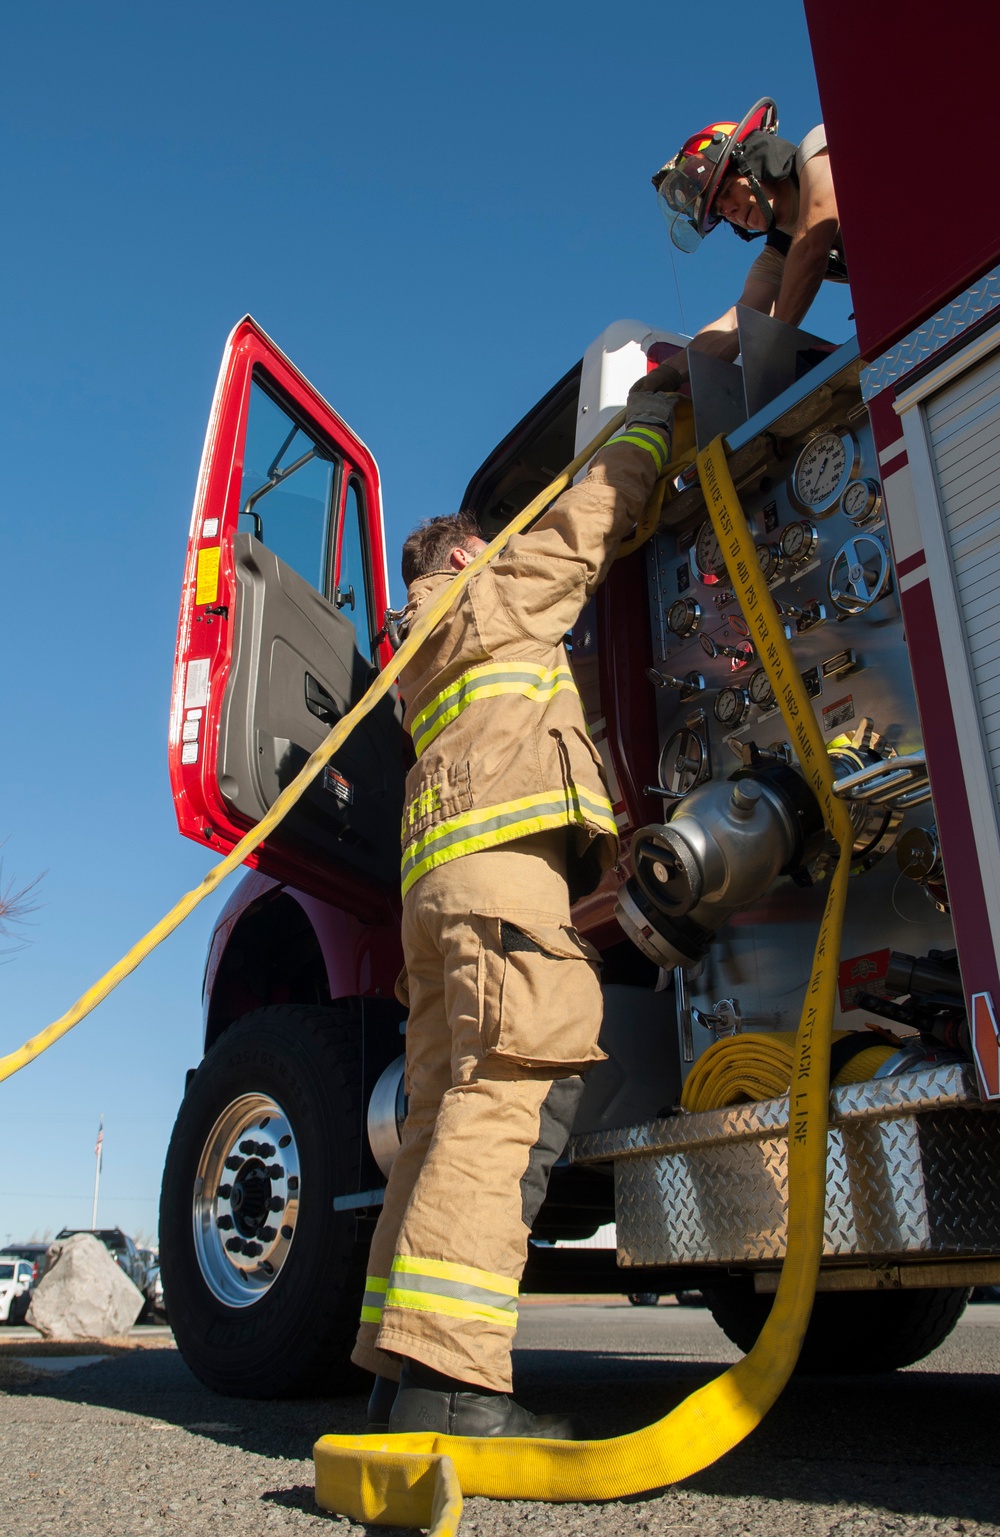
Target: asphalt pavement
131,1445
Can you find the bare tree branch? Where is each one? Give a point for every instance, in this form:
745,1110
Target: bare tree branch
18,903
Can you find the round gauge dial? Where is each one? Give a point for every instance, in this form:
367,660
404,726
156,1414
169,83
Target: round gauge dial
798,541
760,690
706,557
683,617
862,501
732,706
770,559
823,469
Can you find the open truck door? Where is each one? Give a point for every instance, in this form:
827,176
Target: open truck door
281,631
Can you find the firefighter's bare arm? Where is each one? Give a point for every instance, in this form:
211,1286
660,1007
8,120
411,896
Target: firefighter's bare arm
545,576
806,262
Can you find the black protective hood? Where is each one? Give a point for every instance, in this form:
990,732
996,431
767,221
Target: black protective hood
769,158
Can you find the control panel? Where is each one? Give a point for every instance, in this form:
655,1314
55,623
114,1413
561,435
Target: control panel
813,501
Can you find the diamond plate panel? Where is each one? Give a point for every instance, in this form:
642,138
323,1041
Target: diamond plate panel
948,322
912,1175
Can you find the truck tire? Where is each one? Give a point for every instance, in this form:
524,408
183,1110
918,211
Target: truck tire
849,1332
265,1279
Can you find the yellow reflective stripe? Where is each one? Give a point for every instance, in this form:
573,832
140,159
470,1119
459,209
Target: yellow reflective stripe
450,1307
527,679
650,441
446,1270
474,831
373,1301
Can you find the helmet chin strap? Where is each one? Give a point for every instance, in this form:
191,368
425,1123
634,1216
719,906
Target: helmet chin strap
742,165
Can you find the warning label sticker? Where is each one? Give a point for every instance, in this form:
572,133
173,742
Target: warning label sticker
862,974
206,587
838,713
338,785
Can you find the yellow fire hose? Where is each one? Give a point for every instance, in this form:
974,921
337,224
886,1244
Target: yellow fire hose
419,1479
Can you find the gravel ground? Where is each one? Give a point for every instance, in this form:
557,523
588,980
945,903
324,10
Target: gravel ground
133,1445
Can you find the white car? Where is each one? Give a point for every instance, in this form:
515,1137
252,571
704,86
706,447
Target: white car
15,1287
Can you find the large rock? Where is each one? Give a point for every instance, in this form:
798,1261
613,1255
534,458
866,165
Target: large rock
84,1294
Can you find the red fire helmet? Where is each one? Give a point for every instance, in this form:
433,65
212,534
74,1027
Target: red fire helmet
687,184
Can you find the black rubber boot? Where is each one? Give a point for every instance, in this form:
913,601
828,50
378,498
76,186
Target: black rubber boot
383,1396
427,1400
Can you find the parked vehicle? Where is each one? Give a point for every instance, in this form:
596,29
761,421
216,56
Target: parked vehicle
119,1246
16,1281
35,1252
156,1308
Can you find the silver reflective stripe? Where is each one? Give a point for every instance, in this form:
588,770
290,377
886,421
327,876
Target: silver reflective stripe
437,1286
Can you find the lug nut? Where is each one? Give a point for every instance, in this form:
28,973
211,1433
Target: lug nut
225,1223
234,1163
293,1182
274,1171
225,1191
269,1234
234,1245
265,1150
286,1232
276,1203
251,1250
248,1147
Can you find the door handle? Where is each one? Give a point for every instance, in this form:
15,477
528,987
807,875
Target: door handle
321,703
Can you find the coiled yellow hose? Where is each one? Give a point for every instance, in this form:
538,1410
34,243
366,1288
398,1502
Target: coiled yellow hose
417,1480
756,1066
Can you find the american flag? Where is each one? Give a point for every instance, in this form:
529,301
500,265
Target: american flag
98,1146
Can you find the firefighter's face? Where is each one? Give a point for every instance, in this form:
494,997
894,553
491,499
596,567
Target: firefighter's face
736,203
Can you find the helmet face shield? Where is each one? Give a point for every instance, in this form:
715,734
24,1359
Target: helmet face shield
683,232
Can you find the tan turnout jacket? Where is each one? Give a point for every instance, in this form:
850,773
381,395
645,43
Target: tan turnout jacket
497,724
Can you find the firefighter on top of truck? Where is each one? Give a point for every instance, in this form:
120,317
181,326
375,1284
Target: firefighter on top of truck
742,174
506,821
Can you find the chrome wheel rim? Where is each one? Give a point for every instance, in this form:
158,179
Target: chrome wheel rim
245,1205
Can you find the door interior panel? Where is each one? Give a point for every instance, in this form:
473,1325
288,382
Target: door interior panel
296,669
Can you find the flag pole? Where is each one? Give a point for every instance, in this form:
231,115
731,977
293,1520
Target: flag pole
98,1154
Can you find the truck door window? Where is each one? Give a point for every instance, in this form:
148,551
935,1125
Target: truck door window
287,488
351,593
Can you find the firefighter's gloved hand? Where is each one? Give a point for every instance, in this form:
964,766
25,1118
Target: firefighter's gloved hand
665,378
651,409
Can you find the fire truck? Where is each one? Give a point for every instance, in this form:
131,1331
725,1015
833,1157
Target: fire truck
869,473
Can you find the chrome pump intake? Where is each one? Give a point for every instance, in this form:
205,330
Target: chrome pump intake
721,850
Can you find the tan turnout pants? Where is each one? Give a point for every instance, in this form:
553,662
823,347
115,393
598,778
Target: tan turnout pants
505,1009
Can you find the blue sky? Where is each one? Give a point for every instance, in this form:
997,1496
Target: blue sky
432,209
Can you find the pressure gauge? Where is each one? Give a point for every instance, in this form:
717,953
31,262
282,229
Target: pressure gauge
822,470
760,690
732,706
683,617
683,762
770,559
798,541
862,502
706,558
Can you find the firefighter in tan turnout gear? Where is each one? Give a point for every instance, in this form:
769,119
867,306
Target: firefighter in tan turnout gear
506,821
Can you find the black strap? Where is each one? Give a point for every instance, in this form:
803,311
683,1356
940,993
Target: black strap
842,1052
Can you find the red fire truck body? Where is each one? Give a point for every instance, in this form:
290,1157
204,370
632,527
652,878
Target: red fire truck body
870,476
926,291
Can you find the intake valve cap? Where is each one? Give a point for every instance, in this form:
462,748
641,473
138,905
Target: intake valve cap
725,845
